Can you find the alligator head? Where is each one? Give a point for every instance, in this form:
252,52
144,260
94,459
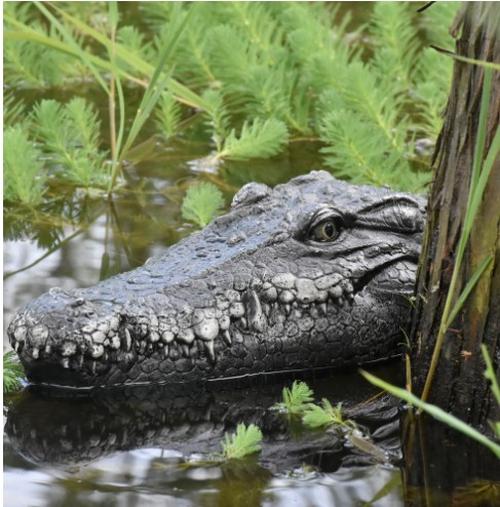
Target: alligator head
313,273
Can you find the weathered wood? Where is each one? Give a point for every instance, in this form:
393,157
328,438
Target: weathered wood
459,385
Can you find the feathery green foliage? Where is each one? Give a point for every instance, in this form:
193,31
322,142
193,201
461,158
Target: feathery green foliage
297,399
12,372
24,177
317,416
244,442
262,74
168,115
201,203
13,109
261,138
70,134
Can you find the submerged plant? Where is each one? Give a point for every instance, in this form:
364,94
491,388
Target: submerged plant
70,136
318,416
12,372
244,442
24,175
201,203
258,139
297,399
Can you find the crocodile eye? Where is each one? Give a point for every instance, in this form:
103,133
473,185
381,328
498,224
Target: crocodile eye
327,230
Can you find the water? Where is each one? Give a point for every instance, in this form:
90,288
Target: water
147,446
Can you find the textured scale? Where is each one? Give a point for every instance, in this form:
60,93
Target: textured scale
253,292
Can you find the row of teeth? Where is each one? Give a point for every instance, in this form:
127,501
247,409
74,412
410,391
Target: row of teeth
247,310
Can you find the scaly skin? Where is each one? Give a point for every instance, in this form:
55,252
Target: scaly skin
314,273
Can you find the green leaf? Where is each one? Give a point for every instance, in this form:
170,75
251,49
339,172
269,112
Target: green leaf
168,115
261,138
490,374
13,372
317,416
244,442
24,175
296,399
201,203
434,411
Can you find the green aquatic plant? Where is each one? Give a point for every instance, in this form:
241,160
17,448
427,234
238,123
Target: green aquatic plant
13,372
266,74
168,115
296,399
257,139
201,203
70,135
244,442
326,415
24,175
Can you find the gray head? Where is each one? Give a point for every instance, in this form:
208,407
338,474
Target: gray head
313,273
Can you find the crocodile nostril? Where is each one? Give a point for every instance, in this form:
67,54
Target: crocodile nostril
77,302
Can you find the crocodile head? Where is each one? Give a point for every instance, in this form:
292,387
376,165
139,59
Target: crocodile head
313,273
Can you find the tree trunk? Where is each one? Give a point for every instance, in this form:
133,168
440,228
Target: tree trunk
459,385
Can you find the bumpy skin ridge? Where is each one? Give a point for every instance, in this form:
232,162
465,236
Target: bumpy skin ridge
253,292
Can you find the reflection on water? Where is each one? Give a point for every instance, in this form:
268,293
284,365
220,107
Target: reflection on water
143,445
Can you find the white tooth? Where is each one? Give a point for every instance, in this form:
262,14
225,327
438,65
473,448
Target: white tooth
35,353
323,308
207,329
115,342
267,309
243,322
128,340
167,336
166,350
80,360
185,350
65,362
209,347
16,346
227,337
94,366
287,309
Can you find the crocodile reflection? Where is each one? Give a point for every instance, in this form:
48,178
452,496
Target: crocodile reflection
68,430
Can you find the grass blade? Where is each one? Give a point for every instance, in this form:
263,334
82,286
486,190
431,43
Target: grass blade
83,55
184,94
468,289
490,373
436,412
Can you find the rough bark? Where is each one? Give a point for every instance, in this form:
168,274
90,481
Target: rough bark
459,385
